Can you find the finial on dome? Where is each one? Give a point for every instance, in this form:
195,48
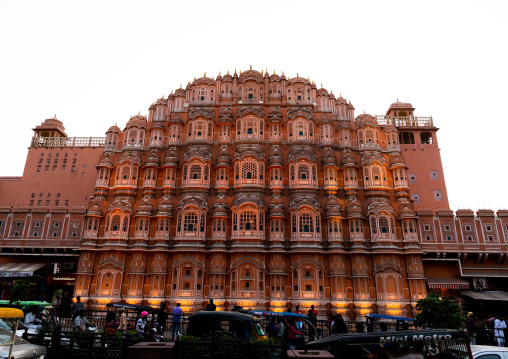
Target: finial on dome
194,78
228,72
219,73
55,116
251,67
397,100
340,95
274,72
139,112
364,111
297,75
240,72
266,70
308,78
321,84
204,74
235,69
180,85
331,92
283,72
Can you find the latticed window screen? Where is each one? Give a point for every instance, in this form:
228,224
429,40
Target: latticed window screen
237,171
261,220
306,225
115,223
235,222
292,172
373,225
248,221
314,173
384,226
369,136
318,224
376,173
202,224
190,222
303,172
393,225
249,170
125,224
301,128
195,172
185,172
207,170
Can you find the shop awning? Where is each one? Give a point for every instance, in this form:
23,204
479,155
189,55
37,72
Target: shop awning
503,296
447,283
19,269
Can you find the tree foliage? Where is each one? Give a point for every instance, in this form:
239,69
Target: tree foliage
19,291
437,312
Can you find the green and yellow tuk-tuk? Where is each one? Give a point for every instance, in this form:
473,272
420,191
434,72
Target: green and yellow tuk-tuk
13,315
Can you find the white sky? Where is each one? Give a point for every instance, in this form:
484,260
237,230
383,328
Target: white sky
95,63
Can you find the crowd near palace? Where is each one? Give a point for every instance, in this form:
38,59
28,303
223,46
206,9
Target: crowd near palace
255,190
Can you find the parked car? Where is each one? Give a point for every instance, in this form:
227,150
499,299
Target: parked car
12,346
488,352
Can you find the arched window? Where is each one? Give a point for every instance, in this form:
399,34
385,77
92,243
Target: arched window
195,172
115,223
249,170
190,222
384,227
303,172
306,224
248,221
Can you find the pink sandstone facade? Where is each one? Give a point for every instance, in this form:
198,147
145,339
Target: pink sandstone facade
256,190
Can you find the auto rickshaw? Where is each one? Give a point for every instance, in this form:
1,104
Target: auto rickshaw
425,343
401,323
233,324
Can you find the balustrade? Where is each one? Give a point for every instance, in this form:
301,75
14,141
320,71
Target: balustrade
407,121
68,142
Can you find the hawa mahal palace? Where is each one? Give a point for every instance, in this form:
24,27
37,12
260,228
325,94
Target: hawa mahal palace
255,190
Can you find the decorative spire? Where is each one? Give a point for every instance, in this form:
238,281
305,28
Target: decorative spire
297,75
204,74
219,73
251,67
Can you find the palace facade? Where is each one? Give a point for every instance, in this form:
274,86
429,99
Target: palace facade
255,190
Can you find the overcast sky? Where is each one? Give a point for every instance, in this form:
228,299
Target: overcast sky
95,63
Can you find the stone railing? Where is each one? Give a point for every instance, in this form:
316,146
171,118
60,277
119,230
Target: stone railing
405,121
10,178
68,142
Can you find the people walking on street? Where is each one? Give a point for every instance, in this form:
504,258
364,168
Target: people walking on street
299,323
499,328
77,305
122,328
162,317
210,307
338,326
177,320
471,327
